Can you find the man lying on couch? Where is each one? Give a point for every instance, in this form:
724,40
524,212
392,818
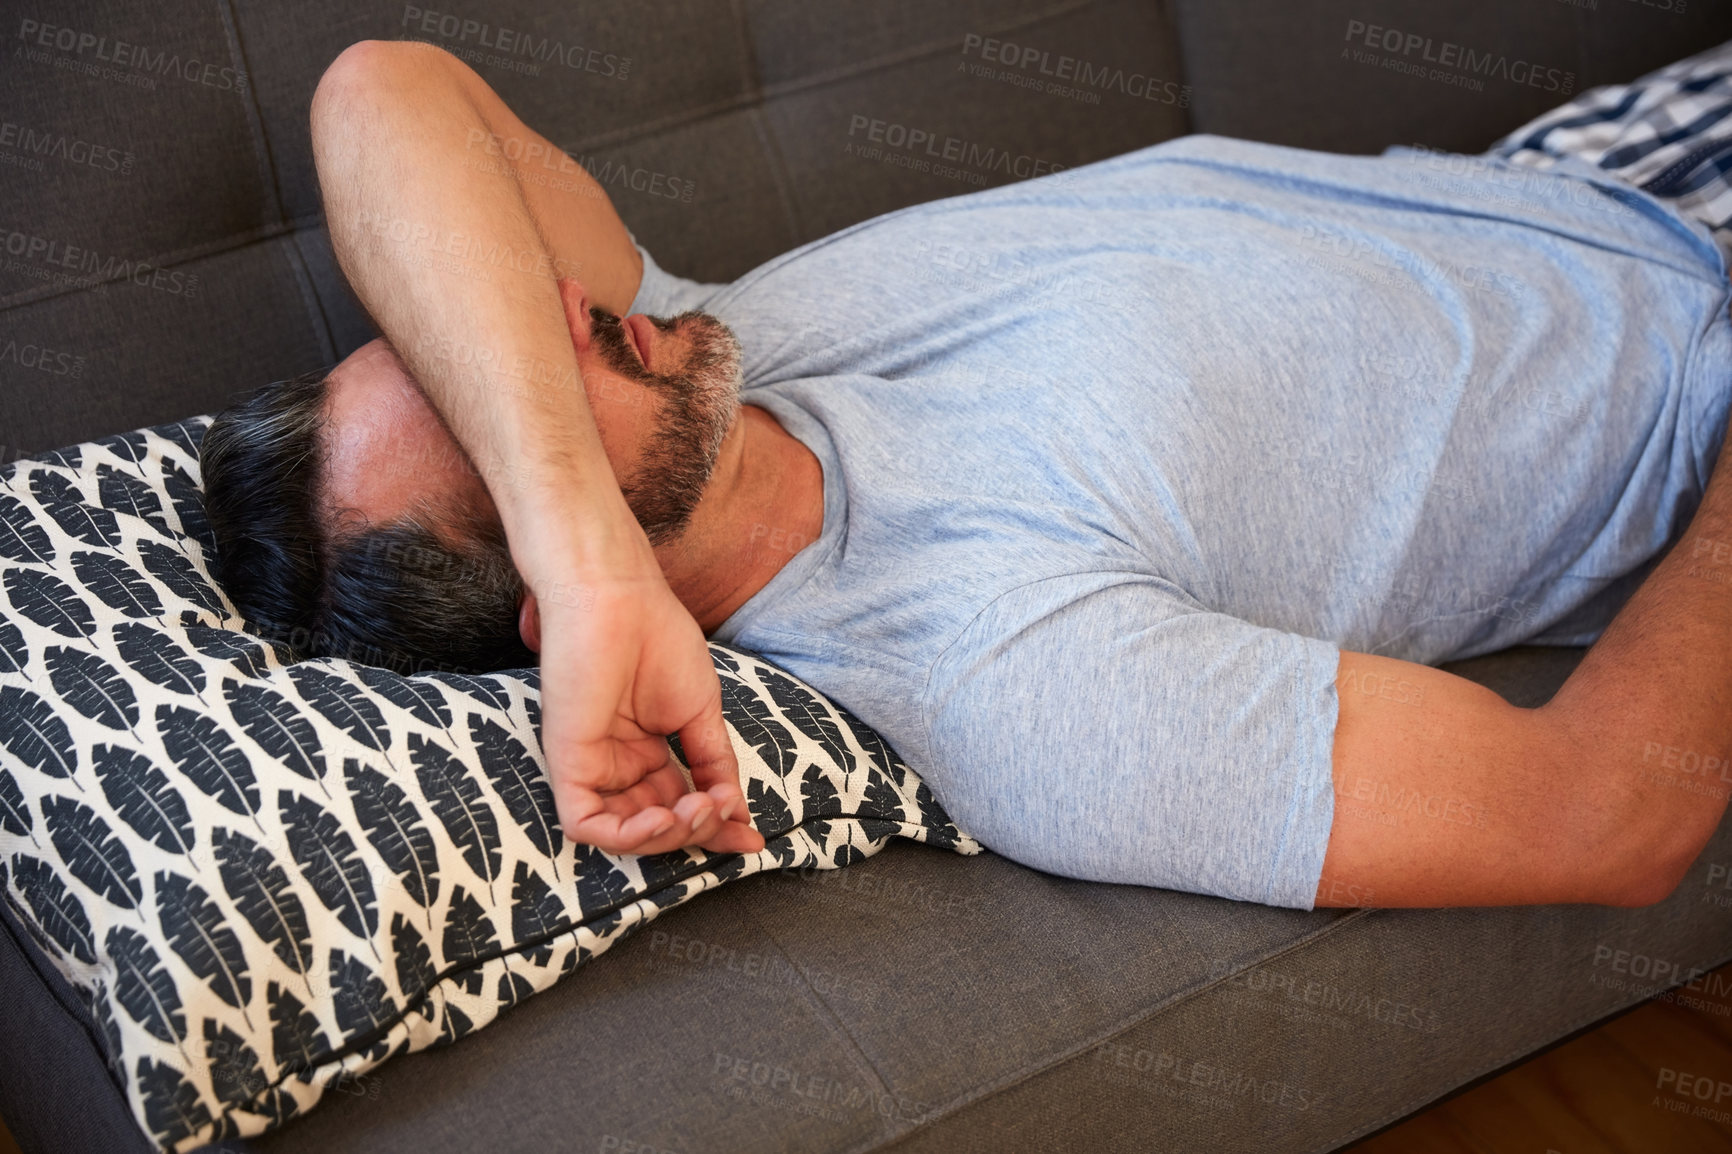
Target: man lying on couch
1132,504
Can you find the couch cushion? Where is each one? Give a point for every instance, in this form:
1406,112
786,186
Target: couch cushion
125,114
1346,76
104,359
890,108
267,877
584,73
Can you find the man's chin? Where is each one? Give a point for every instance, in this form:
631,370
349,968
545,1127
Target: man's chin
713,368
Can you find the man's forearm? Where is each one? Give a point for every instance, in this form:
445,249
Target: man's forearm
1651,702
447,256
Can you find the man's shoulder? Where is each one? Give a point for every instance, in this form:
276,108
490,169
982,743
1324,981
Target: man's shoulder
662,293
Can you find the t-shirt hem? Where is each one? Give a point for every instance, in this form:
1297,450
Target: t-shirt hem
1298,865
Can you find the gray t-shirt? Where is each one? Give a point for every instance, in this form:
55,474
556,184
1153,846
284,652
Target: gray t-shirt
1117,460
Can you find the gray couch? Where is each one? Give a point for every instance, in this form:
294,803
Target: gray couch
918,1000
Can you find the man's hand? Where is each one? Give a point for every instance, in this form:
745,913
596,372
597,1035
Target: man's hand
622,662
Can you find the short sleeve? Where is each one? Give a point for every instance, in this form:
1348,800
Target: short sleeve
662,294
1107,727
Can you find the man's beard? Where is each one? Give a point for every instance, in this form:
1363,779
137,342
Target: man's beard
699,403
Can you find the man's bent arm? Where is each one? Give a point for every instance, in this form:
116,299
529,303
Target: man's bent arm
1653,697
447,254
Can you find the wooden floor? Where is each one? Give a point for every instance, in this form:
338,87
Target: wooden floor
1605,1092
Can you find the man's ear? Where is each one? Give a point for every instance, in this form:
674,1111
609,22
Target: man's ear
529,623
576,304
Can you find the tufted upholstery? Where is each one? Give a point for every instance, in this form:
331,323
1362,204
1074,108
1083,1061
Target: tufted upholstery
184,259
717,128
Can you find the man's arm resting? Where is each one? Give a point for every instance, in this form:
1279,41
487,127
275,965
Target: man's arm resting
1447,795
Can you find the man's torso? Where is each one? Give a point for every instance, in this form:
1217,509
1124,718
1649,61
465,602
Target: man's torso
1404,405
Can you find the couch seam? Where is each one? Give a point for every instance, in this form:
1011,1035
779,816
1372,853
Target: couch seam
319,319
1171,24
262,154
220,246
317,316
917,52
1410,1107
777,163
779,174
1018,1077
829,1013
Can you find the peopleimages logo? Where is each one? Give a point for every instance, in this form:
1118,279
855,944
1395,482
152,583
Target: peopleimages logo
44,258
66,148
943,148
161,62
527,46
1452,60
42,358
1082,73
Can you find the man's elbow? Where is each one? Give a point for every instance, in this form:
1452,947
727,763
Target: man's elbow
1630,843
366,69
1648,875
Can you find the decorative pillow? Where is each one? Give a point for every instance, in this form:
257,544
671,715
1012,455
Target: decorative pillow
265,876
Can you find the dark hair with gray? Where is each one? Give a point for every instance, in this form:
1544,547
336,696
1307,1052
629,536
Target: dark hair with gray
394,595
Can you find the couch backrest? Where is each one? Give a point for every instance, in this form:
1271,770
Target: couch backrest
161,243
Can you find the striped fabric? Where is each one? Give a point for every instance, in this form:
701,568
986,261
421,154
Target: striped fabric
1669,134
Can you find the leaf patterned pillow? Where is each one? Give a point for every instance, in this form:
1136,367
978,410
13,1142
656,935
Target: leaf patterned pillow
265,877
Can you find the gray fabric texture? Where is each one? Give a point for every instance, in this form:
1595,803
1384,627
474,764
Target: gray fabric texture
752,102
